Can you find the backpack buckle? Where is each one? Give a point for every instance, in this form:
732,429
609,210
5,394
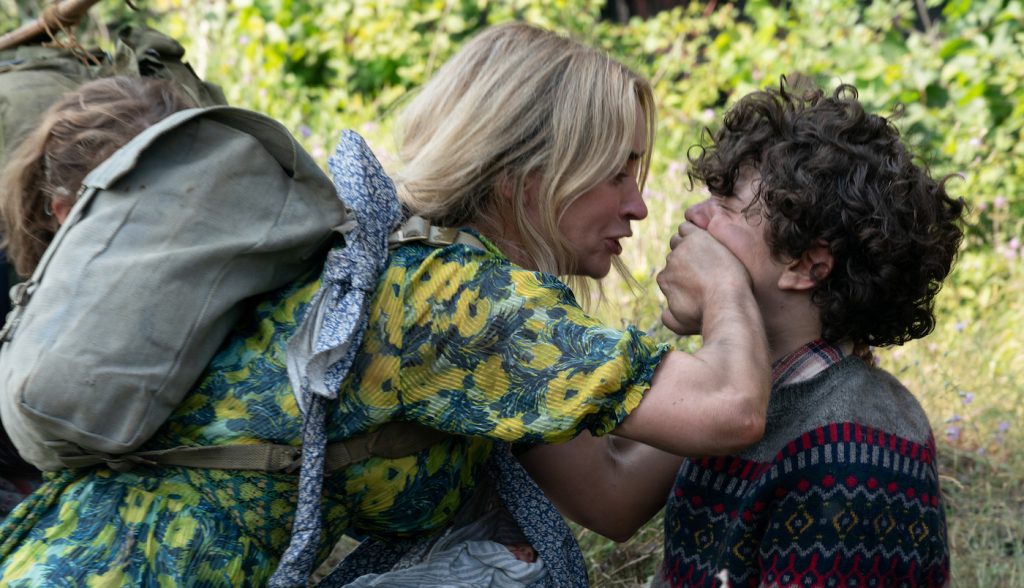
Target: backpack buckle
9,323
21,292
418,228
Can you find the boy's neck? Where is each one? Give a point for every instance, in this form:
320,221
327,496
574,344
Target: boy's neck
791,323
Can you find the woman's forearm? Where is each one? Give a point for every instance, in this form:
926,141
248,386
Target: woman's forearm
608,484
712,402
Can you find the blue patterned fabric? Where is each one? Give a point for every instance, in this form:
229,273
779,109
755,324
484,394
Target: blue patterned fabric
373,556
320,352
541,523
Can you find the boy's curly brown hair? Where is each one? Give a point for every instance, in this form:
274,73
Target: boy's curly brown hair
831,171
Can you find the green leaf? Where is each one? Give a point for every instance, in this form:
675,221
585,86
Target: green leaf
956,9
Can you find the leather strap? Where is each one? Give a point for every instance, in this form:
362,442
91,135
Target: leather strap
391,440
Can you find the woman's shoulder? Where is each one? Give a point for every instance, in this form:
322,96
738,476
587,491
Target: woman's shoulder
459,269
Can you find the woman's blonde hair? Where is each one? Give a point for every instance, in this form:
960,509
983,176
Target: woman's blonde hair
75,135
520,104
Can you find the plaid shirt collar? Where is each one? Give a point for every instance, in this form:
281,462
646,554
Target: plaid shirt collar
805,362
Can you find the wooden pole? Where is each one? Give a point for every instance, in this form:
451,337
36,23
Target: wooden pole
65,13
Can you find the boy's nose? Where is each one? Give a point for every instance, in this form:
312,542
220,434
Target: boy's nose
699,214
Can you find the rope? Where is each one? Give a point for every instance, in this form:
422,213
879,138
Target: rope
52,18
58,16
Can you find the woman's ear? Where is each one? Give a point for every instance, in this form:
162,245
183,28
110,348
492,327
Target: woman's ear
808,270
531,191
531,186
530,195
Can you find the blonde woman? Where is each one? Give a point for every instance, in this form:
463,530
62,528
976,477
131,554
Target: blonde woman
538,147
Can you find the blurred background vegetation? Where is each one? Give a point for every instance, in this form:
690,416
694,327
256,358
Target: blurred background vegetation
956,67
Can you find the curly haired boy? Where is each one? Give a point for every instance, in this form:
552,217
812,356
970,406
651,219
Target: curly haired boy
847,240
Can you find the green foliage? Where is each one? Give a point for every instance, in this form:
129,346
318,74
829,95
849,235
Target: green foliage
323,65
329,65
11,15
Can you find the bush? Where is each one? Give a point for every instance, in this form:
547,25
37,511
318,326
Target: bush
323,65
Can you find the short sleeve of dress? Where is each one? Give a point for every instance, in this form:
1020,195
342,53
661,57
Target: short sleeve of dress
490,349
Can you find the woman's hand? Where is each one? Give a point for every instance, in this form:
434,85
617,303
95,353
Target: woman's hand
697,269
711,402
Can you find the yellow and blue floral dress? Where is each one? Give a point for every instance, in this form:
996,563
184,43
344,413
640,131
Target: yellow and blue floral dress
458,339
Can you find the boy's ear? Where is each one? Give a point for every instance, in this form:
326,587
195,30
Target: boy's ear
62,208
805,272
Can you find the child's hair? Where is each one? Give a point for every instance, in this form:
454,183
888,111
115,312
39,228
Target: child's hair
520,104
75,135
831,171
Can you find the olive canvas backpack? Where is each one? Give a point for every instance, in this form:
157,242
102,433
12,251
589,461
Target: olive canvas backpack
33,76
145,278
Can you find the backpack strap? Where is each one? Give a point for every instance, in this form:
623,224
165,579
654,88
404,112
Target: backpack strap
391,440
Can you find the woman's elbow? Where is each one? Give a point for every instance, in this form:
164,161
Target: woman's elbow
618,531
741,427
751,429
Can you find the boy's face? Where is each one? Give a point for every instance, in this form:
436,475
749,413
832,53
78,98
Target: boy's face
741,229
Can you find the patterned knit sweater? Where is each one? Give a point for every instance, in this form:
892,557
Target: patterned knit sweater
842,491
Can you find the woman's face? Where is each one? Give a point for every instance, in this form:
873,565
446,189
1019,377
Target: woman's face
597,221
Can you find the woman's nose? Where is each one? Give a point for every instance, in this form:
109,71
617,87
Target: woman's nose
634,207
